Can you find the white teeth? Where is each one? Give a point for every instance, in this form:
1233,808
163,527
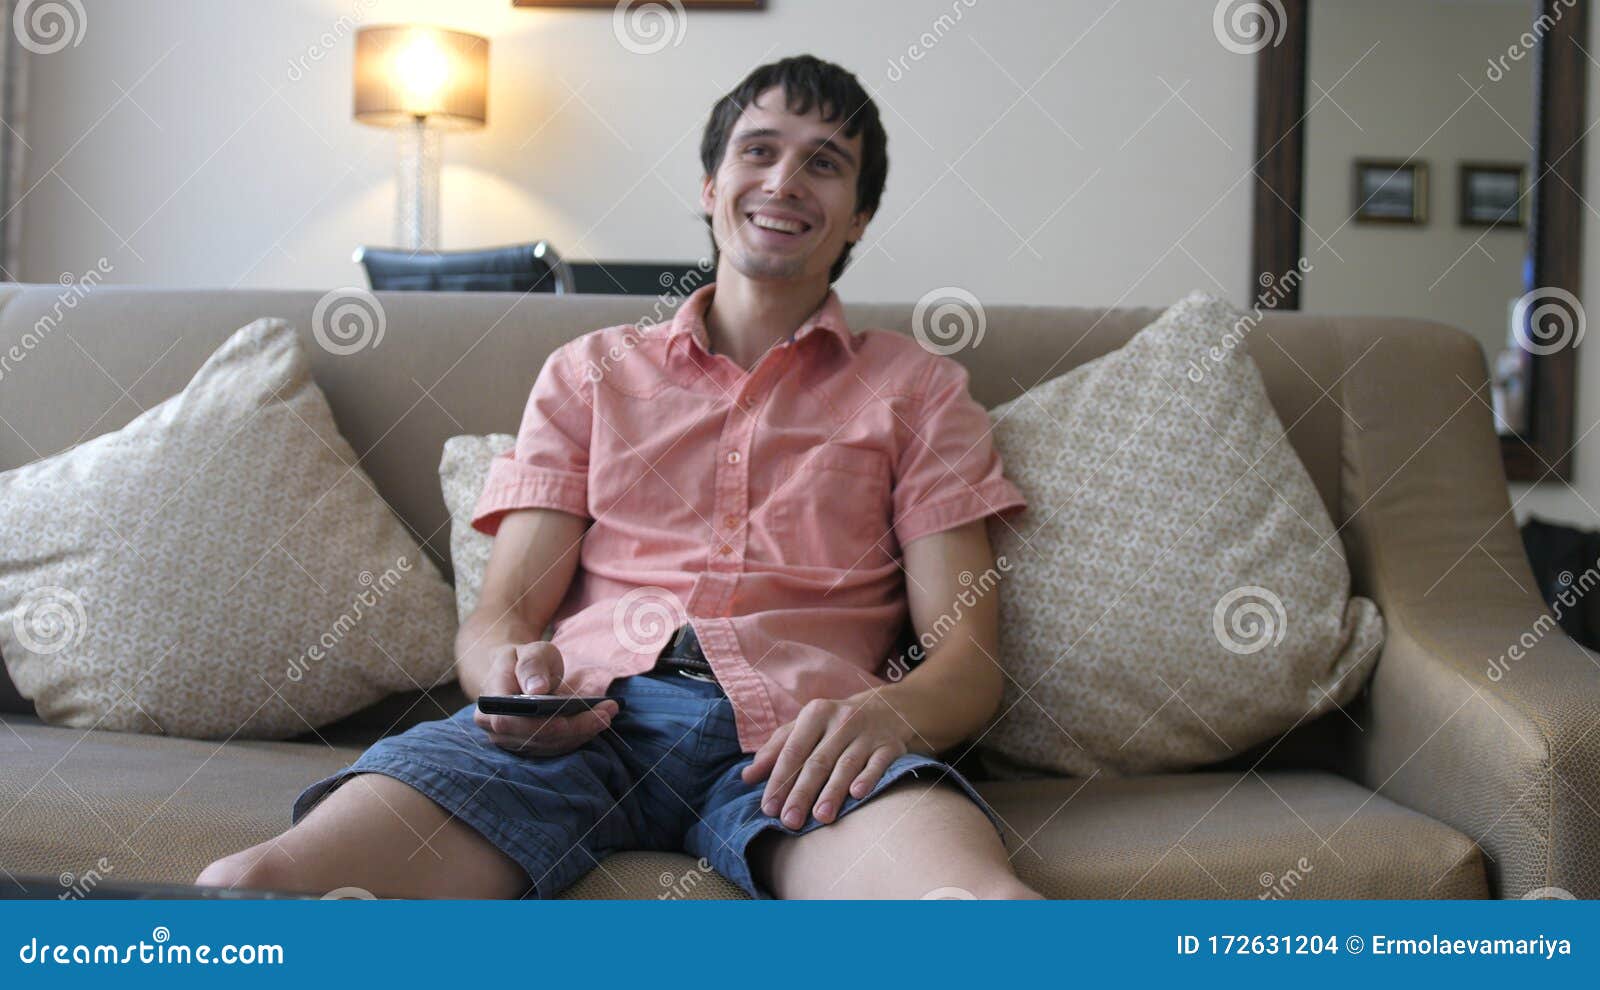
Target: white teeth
772,223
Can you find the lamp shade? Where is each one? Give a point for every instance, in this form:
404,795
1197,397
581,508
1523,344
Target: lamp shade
407,72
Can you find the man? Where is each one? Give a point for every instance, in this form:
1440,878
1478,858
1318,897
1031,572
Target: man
784,491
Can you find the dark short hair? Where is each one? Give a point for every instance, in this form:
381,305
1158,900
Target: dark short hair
808,81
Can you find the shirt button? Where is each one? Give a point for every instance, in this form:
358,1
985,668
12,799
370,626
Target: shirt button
733,457
724,549
730,519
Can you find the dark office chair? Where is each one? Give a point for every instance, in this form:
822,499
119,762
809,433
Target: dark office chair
639,278
515,268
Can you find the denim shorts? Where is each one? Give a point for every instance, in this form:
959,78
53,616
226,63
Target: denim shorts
665,776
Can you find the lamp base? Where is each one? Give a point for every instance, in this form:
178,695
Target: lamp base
416,223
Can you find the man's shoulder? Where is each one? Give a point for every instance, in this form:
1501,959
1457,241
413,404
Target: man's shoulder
624,334
607,344
903,361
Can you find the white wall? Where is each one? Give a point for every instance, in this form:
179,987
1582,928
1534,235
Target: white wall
173,142
218,169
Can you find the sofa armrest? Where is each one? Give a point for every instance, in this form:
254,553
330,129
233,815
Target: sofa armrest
1481,712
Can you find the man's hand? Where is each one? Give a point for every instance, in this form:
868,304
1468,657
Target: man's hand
833,749
536,668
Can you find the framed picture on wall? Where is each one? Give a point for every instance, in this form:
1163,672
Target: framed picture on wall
1390,191
1492,195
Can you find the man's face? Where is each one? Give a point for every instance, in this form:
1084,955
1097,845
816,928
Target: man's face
785,170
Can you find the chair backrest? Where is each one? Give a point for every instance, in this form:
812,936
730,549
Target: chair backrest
534,267
639,278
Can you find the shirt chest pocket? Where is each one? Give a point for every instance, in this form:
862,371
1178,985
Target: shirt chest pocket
832,508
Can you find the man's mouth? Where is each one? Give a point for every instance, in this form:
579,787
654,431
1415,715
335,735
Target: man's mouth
777,225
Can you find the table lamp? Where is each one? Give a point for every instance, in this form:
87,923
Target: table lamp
423,81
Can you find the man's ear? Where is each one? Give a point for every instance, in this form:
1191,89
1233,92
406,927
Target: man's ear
858,226
708,193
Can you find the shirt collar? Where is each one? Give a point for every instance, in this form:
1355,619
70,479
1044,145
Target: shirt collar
690,319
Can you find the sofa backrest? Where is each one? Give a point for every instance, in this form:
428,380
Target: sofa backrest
78,362
451,363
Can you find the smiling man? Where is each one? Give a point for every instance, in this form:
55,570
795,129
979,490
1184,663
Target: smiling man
790,491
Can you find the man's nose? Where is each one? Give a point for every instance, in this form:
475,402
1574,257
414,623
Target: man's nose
784,178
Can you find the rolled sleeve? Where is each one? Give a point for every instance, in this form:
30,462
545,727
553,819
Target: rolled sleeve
949,472
548,468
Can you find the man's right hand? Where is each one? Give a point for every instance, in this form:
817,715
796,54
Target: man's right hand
536,668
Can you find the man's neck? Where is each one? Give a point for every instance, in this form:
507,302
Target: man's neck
747,318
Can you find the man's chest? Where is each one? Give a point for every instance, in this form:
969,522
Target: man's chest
800,472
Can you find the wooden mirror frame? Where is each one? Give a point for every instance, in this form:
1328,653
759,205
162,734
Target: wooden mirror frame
1560,80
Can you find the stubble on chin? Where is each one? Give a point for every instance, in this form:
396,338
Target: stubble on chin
762,265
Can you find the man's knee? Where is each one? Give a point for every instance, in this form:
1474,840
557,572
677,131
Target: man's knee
1001,885
260,867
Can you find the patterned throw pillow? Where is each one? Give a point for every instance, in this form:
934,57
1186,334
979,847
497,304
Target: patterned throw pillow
462,472
1175,592
219,567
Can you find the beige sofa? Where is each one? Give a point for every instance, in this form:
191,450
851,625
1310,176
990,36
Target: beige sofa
1438,782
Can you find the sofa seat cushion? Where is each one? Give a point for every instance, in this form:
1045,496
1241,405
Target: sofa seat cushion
665,876
154,808
1282,834
160,809
146,808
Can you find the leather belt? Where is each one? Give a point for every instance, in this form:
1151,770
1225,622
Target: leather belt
683,654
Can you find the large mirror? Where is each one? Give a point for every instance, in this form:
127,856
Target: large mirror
1425,158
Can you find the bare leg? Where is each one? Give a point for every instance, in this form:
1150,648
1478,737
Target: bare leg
916,838
378,834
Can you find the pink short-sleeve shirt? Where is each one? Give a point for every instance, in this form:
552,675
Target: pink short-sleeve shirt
766,507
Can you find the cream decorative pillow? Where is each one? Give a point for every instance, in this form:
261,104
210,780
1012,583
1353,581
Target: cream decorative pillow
1169,599
462,472
221,566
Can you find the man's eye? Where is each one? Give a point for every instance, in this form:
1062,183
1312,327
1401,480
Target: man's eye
749,151
828,162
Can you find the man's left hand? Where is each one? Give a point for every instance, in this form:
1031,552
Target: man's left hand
833,749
